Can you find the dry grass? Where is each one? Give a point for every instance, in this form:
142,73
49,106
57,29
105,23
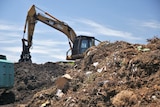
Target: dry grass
124,98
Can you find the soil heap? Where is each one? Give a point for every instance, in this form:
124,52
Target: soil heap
116,74
31,78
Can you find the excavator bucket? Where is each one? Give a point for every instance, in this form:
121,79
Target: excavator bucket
25,56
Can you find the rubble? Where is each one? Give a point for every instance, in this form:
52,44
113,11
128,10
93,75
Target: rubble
111,74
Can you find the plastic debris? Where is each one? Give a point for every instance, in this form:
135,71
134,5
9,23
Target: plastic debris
95,64
145,49
101,69
59,93
140,48
45,104
103,82
67,76
154,97
88,73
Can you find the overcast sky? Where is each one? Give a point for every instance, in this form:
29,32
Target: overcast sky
132,21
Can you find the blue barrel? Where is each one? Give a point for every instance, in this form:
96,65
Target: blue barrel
6,74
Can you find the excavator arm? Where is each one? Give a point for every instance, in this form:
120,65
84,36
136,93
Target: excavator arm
53,22
59,25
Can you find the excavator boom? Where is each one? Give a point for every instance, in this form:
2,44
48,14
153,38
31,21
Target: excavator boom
33,17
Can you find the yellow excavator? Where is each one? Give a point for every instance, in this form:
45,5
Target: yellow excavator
78,44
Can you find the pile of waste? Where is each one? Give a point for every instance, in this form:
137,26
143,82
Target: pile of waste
116,74
111,74
31,78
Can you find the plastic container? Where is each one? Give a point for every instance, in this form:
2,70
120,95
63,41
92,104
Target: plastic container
6,74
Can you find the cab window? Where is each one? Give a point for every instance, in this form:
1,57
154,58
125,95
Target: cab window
84,46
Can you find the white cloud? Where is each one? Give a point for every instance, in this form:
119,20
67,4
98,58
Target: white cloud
59,56
99,29
85,33
12,53
48,42
12,57
10,27
43,54
10,49
45,50
9,34
151,24
8,41
49,47
39,50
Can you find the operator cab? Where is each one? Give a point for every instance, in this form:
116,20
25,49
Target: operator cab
80,45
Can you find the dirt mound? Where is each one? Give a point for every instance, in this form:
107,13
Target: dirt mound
111,74
31,78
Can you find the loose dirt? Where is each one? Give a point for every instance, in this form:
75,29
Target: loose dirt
115,74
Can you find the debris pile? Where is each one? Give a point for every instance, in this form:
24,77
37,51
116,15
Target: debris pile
112,74
31,78
116,74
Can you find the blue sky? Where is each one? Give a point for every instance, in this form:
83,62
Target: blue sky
132,21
